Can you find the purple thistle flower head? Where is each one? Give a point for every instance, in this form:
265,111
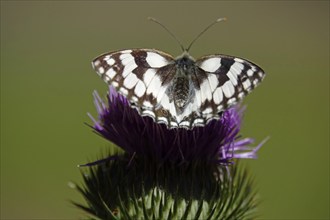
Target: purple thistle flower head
217,142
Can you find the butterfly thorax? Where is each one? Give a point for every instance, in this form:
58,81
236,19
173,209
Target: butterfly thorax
182,87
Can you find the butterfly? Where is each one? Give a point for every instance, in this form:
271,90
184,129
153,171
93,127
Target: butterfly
179,92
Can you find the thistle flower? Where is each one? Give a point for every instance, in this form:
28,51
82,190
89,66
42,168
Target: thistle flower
168,173
215,143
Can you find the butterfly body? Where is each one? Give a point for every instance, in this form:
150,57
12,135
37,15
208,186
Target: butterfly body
180,92
182,86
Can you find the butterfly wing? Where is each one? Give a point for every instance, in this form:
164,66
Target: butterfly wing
142,76
224,80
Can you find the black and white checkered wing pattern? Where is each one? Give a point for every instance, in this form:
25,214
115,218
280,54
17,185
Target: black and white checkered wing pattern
141,75
181,92
224,81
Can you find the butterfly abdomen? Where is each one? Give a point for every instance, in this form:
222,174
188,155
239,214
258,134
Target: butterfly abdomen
181,92
185,67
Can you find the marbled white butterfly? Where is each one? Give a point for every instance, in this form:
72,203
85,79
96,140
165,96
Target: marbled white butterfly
180,92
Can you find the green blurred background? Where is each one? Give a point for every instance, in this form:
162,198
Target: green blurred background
47,83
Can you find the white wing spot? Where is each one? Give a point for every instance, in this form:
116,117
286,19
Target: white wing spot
207,111
184,124
197,100
124,91
161,93
140,89
241,95
148,113
101,70
235,70
111,73
134,99
154,85
155,60
128,68
239,60
233,77
130,81
231,101
255,82
219,108
213,80
147,104
148,75
246,84
126,51
162,120
228,89
126,59
166,104
96,63
218,96
174,124
250,72
238,67
110,61
211,64
198,121
124,56
173,110
205,91
107,78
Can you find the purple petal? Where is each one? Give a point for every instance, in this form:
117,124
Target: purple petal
215,142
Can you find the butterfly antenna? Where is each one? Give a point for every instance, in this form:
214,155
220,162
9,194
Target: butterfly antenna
176,39
201,33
